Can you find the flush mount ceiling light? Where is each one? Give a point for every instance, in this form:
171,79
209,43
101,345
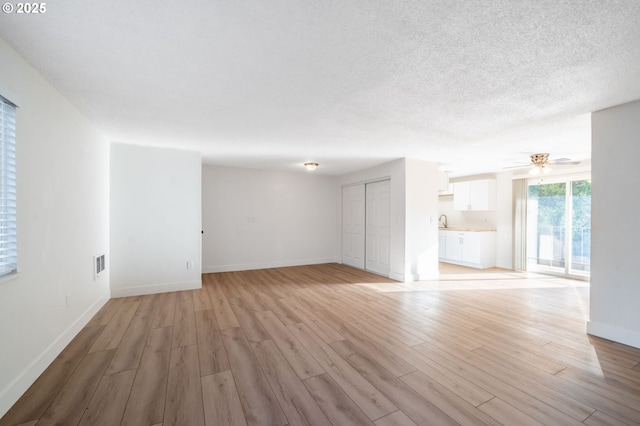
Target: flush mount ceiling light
311,166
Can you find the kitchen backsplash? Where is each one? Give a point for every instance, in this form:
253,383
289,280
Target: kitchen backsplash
465,219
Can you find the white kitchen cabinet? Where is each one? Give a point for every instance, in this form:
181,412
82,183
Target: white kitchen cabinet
454,246
474,195
476,249
442,246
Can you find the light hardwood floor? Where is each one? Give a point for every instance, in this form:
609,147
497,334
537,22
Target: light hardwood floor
328,344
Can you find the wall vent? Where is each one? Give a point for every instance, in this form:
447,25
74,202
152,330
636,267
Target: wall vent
99,265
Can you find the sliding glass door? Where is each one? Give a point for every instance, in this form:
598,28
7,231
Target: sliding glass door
559,225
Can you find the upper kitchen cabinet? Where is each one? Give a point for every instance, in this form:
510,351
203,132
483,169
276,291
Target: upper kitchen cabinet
474,195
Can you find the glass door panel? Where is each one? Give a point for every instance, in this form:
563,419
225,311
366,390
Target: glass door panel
559,226
546,224
580,227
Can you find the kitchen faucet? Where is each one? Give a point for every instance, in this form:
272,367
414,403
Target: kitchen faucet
444,222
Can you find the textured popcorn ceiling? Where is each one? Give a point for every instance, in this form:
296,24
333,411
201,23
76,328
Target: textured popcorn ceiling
473,85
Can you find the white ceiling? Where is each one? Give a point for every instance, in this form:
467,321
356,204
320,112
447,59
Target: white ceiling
473,85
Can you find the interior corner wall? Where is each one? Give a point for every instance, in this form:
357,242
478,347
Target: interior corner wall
504,220
155,220
62,222
614,313
255,219
421,222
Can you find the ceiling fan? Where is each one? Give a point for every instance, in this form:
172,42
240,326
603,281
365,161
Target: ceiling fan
541,163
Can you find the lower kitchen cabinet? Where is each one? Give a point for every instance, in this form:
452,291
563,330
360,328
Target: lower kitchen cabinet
476,249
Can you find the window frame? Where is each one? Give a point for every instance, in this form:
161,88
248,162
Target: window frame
8,198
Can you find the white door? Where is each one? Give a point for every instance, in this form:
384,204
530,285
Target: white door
353,226
378,226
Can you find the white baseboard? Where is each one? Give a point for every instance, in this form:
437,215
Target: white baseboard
400,277
620,335
156,288
17,387
266,265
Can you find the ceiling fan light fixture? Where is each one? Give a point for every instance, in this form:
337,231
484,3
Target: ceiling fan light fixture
536,170
311,166
540,164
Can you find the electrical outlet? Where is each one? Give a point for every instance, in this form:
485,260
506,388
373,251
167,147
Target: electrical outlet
68,300
189,265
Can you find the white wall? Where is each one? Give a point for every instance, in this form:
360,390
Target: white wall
155,220
255,219
504,220
63,221
421,224
615,292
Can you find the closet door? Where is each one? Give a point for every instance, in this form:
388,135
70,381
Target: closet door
353,225
378,227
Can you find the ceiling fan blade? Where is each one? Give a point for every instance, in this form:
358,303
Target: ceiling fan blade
564,162
517,167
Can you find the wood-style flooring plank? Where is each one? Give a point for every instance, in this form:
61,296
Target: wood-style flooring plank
39,396
397,418
478,347
381,355
201,300
106,313
73,398
259,404
326,333
514,395
300,359
130,349
601,419
447,401
212,355
184,404
297,403
507,414
147,398
31,423
165,314
108,403
334,402
373,402
523,377
184,324
252,328
224,314
451,379
419,409
222,405
115,329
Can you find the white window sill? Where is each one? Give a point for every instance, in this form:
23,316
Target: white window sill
9,277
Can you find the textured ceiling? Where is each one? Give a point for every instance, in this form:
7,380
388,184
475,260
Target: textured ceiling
473,85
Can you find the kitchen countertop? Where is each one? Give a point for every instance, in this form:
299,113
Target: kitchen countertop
454,228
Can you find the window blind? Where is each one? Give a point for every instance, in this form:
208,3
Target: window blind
8,241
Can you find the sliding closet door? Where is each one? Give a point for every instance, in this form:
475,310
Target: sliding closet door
378,226
353,226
